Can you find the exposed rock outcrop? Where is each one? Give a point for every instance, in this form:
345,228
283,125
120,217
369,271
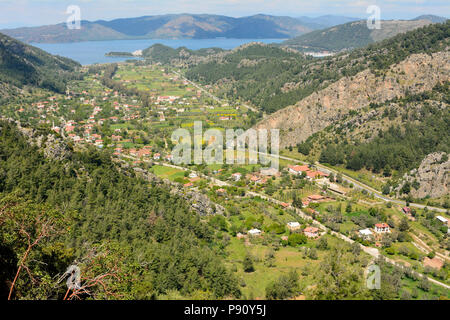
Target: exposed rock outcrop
432,177
418,73
51,145
197,200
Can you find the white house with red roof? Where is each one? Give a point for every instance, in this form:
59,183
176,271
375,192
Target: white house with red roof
382,228
298,169
311,232
316,174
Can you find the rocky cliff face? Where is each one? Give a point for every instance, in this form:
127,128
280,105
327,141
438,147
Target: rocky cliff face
431,178
418,73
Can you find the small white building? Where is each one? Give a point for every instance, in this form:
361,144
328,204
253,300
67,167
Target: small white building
192,175
254,232
365,233
293,226
236,176
382,228
169,158
442,219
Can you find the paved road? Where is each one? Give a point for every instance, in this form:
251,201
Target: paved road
346,178
369,250
361,185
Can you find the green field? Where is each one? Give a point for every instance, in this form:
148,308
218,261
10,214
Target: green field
167,173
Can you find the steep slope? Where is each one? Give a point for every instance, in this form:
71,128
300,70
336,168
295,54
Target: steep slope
287,77
406,139
394,135
104,202
418,73
430,179
265,26
22,64
60,33
351,35
192,26
167,55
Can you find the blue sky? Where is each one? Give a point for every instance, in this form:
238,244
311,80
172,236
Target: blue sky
15,13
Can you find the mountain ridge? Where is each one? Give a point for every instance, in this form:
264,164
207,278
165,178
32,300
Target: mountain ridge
185,25
174,26
22,65
420,65
355,34
284,80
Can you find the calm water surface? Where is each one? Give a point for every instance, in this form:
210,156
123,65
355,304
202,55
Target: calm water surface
91,52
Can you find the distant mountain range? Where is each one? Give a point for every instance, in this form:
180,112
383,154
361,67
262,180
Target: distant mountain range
326,21
355,34
432,18
179,26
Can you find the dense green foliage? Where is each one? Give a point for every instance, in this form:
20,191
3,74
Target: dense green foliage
21,65
254,73
346,36
164,54
286,286
354,34
173,249
423,131
273,78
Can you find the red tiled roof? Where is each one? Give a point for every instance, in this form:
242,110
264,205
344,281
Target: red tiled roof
311,174
298,168
322,174
316,197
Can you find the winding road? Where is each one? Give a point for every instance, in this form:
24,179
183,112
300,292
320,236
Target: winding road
361,185
369,250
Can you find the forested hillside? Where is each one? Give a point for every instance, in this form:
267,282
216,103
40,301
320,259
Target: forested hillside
274,78
131,238
351,35
22,64
395,135
167,55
